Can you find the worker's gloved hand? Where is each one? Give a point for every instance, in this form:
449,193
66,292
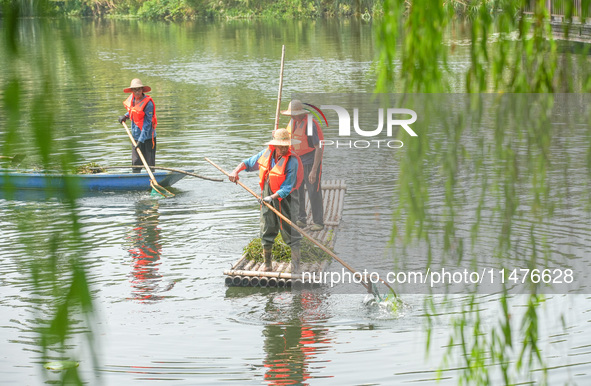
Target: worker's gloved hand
122,118
267,199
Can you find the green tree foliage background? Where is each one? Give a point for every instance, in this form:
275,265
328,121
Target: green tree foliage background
192,9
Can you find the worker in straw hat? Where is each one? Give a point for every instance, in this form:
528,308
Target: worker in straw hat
309,150
280,174
141,110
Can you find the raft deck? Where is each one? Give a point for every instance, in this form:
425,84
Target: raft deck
248,273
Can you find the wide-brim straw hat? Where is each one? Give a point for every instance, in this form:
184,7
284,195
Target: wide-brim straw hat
295,108
136,83
282,138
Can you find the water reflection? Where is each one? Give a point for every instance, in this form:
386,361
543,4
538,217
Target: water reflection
145,251
293,346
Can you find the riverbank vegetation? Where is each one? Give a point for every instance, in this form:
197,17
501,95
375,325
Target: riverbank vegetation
195,9
229,9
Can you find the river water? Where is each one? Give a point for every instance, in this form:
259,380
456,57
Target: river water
155,265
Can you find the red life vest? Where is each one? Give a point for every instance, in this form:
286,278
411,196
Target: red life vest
299,133
276,174
137,114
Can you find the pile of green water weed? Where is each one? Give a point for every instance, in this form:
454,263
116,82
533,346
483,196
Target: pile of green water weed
282,252
89,168
254,250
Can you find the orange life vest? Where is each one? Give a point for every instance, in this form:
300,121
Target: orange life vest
137,114
299,133
276,174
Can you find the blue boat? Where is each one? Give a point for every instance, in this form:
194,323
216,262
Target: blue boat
86,182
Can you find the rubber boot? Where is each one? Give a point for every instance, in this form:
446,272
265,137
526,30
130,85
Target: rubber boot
295,260
268,259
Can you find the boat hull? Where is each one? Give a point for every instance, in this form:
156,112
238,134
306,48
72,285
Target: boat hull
86,182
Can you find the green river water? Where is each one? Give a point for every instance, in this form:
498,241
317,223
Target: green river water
168,318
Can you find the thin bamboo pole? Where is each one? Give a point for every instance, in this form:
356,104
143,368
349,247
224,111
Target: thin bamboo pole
164,168
247,266
261,274
282,266
239,262
280,89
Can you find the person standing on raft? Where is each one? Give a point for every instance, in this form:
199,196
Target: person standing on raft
280,174
309,150
142,112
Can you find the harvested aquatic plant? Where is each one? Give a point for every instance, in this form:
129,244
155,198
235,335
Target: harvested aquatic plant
281,252
89,168
254,250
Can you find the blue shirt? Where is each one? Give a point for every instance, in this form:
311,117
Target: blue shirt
146,132
291,172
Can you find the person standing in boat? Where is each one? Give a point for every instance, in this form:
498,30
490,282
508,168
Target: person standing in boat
141,110
310,152
280,174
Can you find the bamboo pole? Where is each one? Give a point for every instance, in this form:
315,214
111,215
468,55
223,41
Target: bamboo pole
341,201
247,266
282,267
261,274
163,168
239,262
280,89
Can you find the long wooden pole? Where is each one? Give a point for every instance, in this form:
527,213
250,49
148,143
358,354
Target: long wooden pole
163,168
280,89
297,228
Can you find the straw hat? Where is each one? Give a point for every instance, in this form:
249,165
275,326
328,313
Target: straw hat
295,108
282,138
136,83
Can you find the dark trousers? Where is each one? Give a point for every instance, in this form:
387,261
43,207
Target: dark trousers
315,195
149,153
271,224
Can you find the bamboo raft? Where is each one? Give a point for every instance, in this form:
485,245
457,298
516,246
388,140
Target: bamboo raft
247,273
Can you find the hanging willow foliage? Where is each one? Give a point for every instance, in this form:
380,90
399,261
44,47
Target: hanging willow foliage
512,49
61,297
